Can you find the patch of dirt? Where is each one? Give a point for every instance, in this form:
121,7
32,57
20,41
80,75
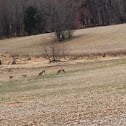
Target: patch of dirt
13,103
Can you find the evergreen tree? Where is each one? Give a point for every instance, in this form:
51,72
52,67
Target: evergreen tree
29,20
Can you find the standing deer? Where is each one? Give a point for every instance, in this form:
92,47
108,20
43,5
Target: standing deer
9,70
61,70
13,62
104,55
24,75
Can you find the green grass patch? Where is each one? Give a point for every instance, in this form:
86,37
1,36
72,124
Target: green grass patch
35,83
17,86
93,88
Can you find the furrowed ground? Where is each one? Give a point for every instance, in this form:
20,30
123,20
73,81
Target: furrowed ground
92,92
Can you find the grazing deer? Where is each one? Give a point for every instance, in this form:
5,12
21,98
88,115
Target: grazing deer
11,77
24,76
59,71
41,73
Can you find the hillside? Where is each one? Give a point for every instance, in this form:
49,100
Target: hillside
88,94
87,91
91,40
77,13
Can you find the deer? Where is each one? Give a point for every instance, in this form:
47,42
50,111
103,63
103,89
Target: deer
61,70
11,77
24,75
9,70
41,73
104,55
14,61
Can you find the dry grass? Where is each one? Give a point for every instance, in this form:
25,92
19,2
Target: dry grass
85,41
91,92
88,93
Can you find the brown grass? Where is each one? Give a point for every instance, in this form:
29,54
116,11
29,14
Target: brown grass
91,92
111,53
13,103
85,41
87,94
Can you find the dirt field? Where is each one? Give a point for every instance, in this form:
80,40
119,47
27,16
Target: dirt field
91,40
90,93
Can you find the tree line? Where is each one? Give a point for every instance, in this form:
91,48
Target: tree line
28,17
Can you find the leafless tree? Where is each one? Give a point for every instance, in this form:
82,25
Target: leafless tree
60,16
54,51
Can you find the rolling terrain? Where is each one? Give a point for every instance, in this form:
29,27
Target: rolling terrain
91,92
91,40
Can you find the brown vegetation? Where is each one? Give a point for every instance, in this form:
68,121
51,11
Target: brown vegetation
90,93
59,15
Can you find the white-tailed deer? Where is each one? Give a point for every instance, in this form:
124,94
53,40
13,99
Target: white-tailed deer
9,70
59,71
11,77
24,76
104,55
41,73
13,62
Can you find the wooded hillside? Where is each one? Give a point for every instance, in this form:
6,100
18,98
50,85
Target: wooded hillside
64,14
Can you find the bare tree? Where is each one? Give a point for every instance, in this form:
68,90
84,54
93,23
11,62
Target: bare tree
60,16
54,52
64,21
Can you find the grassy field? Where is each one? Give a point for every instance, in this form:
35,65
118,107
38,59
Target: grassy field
92,92
91,40
87,94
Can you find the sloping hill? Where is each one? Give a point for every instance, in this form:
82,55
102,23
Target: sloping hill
91,40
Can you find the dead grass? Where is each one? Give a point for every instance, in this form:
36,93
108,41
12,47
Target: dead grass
85,41
88,92
91,92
